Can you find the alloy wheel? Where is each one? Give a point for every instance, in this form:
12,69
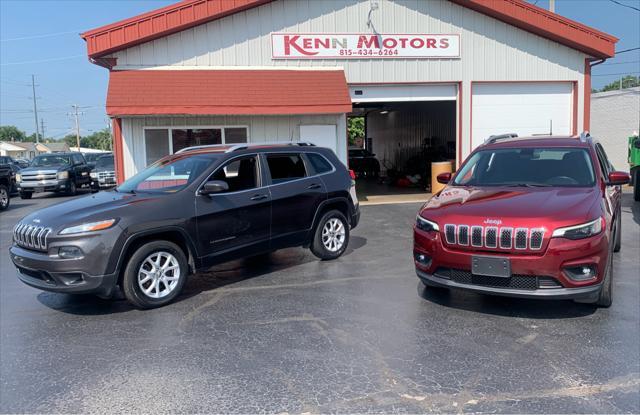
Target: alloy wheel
159,274
333,235
4,197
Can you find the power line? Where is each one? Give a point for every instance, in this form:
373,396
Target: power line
624,5
39,36
43,60
620,63
627,50
616,74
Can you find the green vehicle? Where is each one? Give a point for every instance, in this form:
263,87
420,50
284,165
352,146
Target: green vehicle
634,165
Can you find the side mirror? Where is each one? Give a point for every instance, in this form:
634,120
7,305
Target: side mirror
444,178
214,186
618,178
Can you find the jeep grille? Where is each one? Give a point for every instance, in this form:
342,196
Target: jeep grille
31,237
493,237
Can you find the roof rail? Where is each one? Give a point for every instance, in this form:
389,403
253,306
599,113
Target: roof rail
236,147
492,139
584,135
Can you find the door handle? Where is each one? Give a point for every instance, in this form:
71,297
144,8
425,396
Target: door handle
314,186
259,197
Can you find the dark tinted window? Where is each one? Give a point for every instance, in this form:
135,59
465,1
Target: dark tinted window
285,167
52,160
105,161
319,163
239,174
528,167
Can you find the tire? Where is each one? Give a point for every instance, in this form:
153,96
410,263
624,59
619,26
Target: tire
5,197
636,185
160,291
25,195
617,245
331,236
605,298
73,189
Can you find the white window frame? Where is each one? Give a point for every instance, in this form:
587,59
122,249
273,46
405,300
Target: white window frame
186,127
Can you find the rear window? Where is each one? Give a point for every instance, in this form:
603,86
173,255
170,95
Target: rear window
319,163
285,167
565,167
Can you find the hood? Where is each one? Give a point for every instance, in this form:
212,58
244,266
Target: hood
44,168
91,208
527,209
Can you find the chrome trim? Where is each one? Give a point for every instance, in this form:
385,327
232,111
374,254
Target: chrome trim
486,239
531,231
460,228
526,238
31,236
510,238
481,236
446,233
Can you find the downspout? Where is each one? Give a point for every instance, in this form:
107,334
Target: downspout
588,64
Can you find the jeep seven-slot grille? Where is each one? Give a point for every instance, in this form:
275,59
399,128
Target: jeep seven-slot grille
493,237
31,236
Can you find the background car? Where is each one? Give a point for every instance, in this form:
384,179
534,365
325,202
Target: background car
103,174
5,185
91,158
54,172
363,162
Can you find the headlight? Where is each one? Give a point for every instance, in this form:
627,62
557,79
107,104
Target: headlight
18,177
426,225
579,231
93,175
88,227
63,175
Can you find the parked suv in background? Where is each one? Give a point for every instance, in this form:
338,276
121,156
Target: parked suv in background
103,174
525,217
6,181
363,162
186,212
54,172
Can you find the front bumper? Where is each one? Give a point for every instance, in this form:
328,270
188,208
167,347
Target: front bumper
589,293
43,186
534,274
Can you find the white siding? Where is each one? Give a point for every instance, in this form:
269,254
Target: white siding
261,129
615,115
490,50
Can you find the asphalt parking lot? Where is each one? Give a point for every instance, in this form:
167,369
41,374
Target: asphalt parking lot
288,333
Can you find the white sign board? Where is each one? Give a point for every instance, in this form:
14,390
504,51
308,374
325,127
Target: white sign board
363,46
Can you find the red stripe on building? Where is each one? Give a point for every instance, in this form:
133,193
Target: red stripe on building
225,92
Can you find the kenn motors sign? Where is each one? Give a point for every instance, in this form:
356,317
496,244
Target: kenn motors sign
357,45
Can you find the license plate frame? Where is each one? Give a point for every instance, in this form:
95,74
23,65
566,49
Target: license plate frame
38,189
491,266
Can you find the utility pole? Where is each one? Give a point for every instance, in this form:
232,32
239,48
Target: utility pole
35,105
552,6
75,109
42,128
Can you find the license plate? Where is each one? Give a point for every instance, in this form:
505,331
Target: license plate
491,266
38,189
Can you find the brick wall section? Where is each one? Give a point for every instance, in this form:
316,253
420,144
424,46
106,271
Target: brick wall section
228,92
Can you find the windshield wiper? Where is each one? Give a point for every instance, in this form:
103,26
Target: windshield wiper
529,185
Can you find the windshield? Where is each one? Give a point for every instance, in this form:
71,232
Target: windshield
52,160
567,167
92,156
105,162
169,175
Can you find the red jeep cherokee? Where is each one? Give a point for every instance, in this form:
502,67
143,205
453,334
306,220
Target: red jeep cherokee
525,217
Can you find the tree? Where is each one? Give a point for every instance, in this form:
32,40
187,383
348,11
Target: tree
100,140
355,127
11,133
628,81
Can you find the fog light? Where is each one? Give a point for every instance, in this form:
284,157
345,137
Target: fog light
69,252
581,272
422,258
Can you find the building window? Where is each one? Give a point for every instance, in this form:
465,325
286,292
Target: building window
160,142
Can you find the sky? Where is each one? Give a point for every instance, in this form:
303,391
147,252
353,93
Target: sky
40,37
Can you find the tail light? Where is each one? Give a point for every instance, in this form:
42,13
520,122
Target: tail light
352,174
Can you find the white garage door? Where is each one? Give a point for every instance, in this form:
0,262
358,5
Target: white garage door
521,108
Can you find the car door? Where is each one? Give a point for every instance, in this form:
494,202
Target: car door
613,194
295,197
235,222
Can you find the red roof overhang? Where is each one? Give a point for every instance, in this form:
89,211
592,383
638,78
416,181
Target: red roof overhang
549,25
189,13
227,92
